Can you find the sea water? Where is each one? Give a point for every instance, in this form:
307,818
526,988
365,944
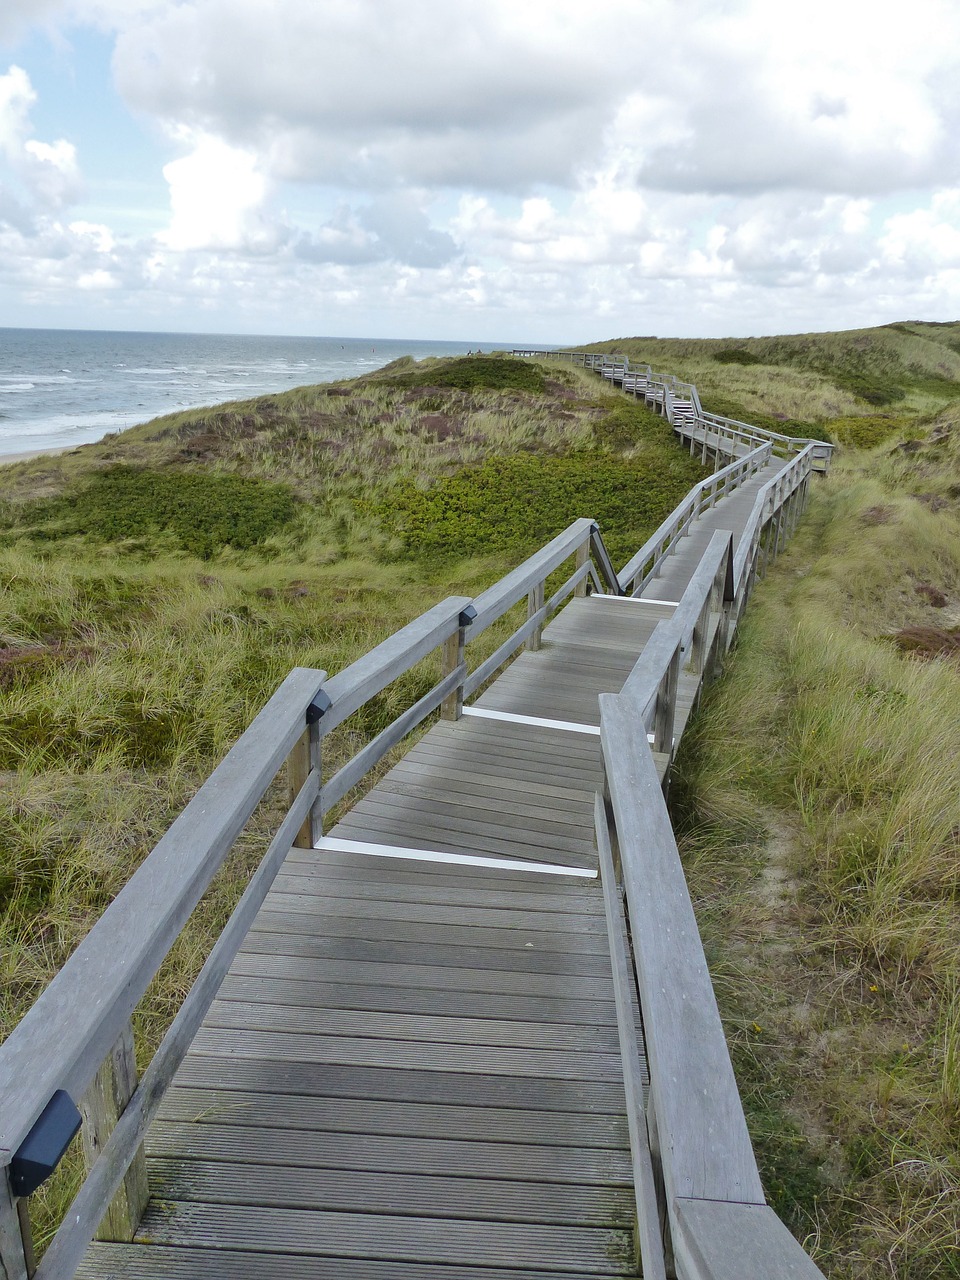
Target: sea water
60,387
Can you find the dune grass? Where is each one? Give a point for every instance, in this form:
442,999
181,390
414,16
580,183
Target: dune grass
818,799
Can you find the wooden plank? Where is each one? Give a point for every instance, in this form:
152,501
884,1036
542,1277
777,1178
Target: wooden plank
704,1144
383,1083
258,988
379,828
389,1025
451,912
304,924
63,1039
434,1196
259,1147
101,1108
544,987
421,1055
337,891
581,1250
427,814
388,869
383,951
134,1262
408,1119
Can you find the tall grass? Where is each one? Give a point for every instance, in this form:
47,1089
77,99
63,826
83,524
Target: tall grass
820,806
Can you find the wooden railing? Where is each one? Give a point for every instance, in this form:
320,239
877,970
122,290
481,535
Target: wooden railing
680,403
706,1214
77,1041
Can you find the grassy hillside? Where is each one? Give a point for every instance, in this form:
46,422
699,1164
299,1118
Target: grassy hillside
819,801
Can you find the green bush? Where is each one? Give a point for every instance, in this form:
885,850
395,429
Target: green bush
518,503
496,373
202,512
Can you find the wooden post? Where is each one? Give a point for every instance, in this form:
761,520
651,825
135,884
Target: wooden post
451,708
101,1108
534,605
16,1243
698,644
666,707
583,555
304,757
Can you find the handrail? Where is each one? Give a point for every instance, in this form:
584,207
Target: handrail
62,1041
660,543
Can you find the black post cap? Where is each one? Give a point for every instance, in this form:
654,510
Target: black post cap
467,615
319,707
43,1147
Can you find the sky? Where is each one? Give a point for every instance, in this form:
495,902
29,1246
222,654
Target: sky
505,170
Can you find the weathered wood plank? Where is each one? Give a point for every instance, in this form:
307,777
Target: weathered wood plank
389,1025
259,1146
451,912
304,924
515,959
422,1055
581,1250
542,987
436,1001
133,1262
229,1106
650,1237
383,1083
435,1196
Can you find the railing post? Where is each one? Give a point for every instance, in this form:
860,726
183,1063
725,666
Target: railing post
666,708
583,555
534,605
304,757
16,1243
101,1108
451,708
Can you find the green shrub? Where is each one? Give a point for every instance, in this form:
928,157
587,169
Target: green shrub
202,512
516,504
496,373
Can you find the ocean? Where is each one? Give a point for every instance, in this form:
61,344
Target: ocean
63,387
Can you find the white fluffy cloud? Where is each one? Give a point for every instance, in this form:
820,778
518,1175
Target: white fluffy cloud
548,169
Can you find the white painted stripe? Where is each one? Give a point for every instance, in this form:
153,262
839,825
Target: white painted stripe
333,844
569,725
599,595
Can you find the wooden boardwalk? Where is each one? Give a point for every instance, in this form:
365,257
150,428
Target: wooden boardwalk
412,1068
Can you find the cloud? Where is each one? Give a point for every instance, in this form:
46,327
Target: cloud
48,171
216,196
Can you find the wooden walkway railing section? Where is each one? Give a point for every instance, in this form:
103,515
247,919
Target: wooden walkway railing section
637,661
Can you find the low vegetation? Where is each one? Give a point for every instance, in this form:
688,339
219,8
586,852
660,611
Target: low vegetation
819,803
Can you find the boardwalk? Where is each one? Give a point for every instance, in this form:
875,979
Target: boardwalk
417,1048
413,1063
